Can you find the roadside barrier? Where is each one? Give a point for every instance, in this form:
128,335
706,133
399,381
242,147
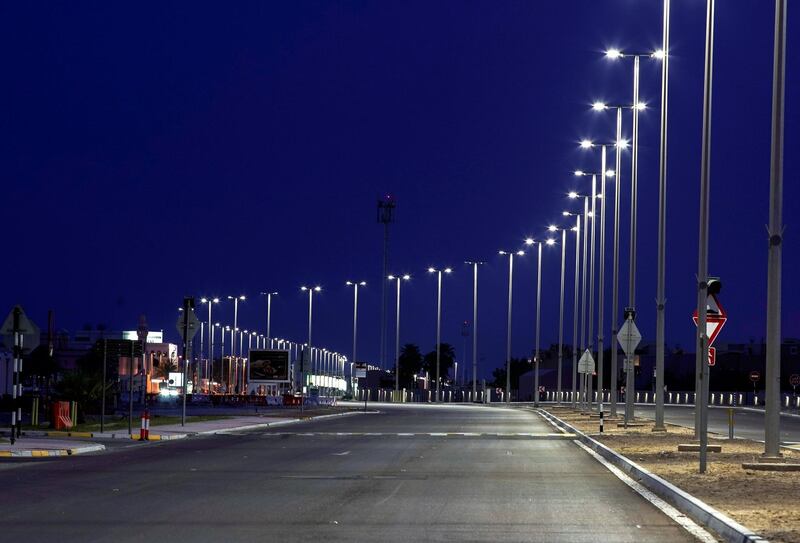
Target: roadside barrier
144,431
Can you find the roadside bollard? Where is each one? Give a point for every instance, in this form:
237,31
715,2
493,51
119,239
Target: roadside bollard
730,423
601,418
144,430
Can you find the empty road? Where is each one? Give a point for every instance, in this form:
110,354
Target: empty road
407,473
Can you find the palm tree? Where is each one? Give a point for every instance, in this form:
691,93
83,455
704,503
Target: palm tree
447,358
165,366
410,364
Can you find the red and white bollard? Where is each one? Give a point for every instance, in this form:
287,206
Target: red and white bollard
144,431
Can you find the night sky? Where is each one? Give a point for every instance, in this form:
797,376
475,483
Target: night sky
169,149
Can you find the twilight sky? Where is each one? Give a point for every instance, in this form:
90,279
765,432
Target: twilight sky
197,148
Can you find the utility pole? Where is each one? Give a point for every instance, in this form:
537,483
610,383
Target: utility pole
386,207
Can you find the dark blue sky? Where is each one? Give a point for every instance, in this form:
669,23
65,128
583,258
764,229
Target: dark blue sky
193,148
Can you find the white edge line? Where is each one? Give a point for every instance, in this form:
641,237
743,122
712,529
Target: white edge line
685,522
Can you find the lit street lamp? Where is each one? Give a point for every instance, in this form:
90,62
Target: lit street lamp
210,371
554,228
438,327
311,291
536,358
355,285
235,324
269,296
510,255
474,264
399,279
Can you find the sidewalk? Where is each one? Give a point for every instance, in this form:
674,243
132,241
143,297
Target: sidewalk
176,431
37,448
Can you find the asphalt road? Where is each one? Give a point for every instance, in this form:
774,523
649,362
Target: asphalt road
748,424
330,480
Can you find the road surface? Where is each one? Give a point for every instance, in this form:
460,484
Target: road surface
348,479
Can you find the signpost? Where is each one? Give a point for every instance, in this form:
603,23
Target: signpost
586,367
755,377
629,338
188,324
16,329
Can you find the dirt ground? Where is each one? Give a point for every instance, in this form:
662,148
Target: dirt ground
766,502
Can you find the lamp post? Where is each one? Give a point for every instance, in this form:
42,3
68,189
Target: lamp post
399,279
210,301
235,323
355,285
536,358
438,326
576,295
554,228
574,195
474,264
311,291
510,255
773,373
269,296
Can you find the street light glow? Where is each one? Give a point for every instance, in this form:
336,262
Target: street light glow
565,213
431,270
641,106
610,173
520,253
586,144
572,195
622,144
406,277
447,270
529,241
552,228
599,106
658,54
613,54
578,173
550,241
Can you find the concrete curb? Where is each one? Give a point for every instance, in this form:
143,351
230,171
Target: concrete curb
105,435
42,453
697,510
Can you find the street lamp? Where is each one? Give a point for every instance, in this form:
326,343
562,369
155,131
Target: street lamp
510,255
355,285
531,241
554,228
235,323
574,195
269,296
311,291
210,370
474,264
398,279
577,230
602,283
586,144
438,326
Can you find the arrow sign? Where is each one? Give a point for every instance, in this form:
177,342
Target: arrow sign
193,325
629,337
586,363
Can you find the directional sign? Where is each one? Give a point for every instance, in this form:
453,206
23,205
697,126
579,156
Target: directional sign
629,337
755,376
794,379
716,317
193,325
30,332
586,363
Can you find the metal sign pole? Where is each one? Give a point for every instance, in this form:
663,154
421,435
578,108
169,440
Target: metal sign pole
186,308
15,423
103,401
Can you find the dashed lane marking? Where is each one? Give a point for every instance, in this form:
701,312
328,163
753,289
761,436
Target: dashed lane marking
506,435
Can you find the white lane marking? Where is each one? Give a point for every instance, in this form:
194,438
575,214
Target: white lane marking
406,435
345,453
685,522
437,434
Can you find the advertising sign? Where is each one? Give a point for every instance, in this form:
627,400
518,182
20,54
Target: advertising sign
269,365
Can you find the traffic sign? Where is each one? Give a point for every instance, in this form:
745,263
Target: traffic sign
794,379
716,317
192,324
30,332
755,376
629,337
586,363
712,356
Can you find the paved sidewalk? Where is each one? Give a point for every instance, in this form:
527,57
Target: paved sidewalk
43,447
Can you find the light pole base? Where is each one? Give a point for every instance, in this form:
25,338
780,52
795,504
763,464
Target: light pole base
660,429
770,459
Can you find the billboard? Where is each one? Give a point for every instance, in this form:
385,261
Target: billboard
269,365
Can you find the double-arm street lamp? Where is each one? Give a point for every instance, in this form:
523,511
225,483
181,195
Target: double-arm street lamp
235,328
576,295
510,255
554,228
398,279
355,285
474,264
531,241
210,370
307,349
438,272
269,296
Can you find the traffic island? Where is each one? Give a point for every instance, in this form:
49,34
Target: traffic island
695,447
757,497
46,448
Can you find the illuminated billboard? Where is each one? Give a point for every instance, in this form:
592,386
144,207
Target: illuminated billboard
269,365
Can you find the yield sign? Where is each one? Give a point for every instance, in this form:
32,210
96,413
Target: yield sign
716,317
29,331
629,337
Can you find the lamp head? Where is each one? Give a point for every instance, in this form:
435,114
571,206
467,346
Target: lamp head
550,241
572,195
586,144
599,106
552,228
614,54
529,241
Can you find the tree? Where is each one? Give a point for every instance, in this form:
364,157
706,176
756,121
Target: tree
165,366
518,367
410,364
447,357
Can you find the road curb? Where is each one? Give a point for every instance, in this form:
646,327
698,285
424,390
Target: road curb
697,510
47,453
279,423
